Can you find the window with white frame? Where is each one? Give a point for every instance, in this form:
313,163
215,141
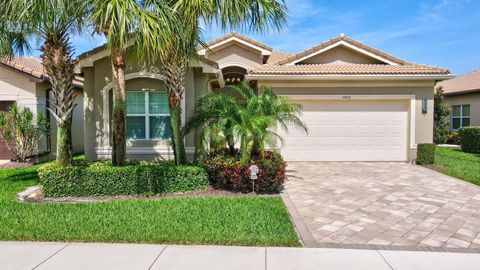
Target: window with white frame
148,115
460,116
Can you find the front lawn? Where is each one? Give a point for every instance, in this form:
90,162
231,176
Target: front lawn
236,220
458,164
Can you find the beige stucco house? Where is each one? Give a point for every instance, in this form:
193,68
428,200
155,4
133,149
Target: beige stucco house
359,103
23,80
463,95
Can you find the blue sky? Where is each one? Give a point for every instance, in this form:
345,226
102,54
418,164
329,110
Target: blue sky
437,32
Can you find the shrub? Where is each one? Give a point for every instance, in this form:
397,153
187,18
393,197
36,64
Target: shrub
453,138
225,172
23,130
100,178
426,153
470,139
441,120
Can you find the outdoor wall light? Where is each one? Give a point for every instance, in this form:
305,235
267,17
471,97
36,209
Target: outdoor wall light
424,105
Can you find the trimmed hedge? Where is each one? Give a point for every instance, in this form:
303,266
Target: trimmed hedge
225,172
470,139
426,153
102,179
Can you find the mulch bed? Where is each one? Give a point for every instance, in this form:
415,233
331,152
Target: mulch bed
14,164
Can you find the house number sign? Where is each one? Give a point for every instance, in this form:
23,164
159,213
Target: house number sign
254,170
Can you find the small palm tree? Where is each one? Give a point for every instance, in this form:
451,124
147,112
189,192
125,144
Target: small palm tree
51,21
23,130
214,116
255,15
250,118
270,104
142,25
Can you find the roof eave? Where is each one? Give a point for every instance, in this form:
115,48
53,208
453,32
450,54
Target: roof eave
348,77
463,92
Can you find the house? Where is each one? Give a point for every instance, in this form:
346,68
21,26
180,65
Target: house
463,95
23,80
359,103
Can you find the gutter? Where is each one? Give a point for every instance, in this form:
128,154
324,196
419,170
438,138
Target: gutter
348,77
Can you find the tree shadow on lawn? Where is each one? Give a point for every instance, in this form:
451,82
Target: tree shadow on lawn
21,176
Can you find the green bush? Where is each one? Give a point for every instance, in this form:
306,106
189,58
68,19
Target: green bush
453,138
426,153
470,139
102,179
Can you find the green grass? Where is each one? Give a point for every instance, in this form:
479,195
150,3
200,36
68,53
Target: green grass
458,164
261,221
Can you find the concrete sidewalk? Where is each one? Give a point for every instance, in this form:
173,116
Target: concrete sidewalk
73,256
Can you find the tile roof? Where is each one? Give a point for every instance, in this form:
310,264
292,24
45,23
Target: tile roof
32,66
277,56
348,69
335,40
240,36
27,64
466,83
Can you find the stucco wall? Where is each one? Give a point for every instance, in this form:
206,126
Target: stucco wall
17,87
236,55
340,54
469,99
423,122
98,133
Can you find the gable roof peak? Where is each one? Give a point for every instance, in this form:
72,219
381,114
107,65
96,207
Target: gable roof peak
233,35
339,40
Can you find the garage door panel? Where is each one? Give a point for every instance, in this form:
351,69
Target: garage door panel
349,131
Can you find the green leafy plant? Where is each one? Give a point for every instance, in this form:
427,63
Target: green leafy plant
441,121
250,118
470,139
101,178
225,171
453,138
426,153
23,130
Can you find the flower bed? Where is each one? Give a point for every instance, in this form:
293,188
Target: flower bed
225,172
102,179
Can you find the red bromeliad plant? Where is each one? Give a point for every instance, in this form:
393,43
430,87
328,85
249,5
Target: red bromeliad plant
226,172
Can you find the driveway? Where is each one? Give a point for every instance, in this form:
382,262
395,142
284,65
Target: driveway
382,204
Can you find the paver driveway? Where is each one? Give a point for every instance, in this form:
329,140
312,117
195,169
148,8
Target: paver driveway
394,204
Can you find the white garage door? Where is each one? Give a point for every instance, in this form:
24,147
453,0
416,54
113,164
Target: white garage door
349,130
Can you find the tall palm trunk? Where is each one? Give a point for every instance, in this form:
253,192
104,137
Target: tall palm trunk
230,138
56,57
245,150
119,114
174,83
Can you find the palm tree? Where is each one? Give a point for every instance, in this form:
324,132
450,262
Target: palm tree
143,26
214,116
51,21
269,103
254,15
250,118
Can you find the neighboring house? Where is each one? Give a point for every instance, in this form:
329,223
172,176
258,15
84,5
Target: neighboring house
360,104
23,80
463,95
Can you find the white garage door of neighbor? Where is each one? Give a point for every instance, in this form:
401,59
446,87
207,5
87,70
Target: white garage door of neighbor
349,130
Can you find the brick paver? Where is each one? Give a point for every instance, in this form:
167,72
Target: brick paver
392,204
